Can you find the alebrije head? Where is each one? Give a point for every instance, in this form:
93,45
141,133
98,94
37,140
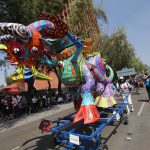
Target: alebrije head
24,43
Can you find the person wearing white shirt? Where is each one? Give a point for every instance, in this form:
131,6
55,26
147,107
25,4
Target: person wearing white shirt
125,89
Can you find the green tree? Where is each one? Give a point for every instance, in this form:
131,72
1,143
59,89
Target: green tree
101,14
119,53
28,11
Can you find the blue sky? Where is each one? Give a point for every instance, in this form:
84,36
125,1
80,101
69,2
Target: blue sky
134,17
10,69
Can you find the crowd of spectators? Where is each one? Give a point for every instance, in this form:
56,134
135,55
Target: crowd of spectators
14,106
136,82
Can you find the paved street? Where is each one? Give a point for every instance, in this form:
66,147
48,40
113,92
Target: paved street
23,134
138,128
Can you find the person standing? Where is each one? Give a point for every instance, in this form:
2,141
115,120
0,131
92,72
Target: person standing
125,89
15,106
147,84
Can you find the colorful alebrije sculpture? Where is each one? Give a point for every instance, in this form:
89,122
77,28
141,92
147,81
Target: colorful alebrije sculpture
23,46
76,64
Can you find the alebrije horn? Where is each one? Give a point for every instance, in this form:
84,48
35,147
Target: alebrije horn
42,26
19,31
4,39
60,29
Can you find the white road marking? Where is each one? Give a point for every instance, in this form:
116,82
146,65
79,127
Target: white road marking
16,148
141,108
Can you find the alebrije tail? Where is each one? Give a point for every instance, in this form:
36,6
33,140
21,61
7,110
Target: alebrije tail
88,110
89,113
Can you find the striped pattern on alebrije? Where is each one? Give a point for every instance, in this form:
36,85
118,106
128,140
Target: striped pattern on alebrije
41,25
6,38
61,28
27,73
19,31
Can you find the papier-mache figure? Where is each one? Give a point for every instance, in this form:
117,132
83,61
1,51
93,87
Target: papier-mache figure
76,63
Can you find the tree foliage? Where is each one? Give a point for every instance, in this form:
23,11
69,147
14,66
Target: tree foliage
101,14
77,21
27,11
119,53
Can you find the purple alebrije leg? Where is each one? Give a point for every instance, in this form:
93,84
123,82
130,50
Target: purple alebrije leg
89,80
106,90
87,97
100,87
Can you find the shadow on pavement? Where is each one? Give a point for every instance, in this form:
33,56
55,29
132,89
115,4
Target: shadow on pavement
143,100
45,142
114,131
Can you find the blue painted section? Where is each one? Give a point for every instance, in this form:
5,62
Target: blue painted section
87,99
35,24
76,54
27,73
42,24
66,73
76,41
44,59
28,76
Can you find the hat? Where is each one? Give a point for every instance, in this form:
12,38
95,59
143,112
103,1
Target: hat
121,78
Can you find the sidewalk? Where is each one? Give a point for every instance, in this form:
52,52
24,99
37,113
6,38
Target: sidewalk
4,125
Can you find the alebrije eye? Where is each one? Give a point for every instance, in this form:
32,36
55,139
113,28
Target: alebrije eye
34,50
16,51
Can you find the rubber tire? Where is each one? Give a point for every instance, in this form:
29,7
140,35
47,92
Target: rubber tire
55,136
125,120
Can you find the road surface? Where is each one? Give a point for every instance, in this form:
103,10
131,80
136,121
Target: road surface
25,134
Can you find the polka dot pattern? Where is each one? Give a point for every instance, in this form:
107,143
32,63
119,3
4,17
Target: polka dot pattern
61,28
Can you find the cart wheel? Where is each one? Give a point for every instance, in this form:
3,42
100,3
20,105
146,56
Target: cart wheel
55,139
125,120
124,111
103,147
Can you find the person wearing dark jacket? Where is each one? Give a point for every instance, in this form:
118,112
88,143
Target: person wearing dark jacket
147,84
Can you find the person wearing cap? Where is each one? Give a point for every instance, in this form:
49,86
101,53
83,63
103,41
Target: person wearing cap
125,89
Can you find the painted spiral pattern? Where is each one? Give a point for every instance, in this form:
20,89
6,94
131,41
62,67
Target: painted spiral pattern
19,31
